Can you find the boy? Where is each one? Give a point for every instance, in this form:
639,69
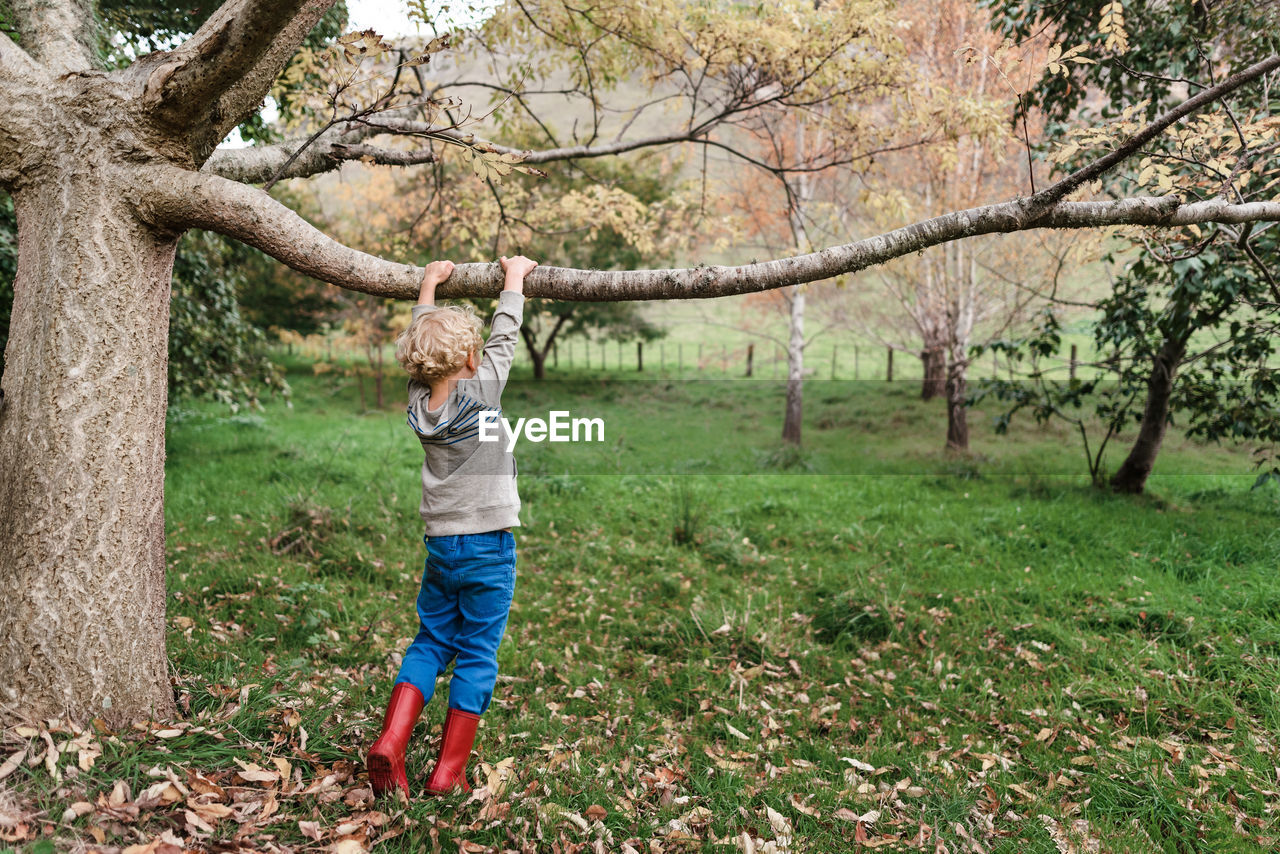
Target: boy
469,506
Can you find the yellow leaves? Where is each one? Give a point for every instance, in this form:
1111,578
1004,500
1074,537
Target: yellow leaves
353,46
1111,25
1055,62
488,164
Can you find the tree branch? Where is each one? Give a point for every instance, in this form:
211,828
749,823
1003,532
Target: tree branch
1084,175
57,33
547,155
24,85
216,78
181,199
257,164
17,64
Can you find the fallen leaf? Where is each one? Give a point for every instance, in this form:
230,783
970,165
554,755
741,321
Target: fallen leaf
310,829
358,797
11,764
202,785
211,813
780,823
801,806
283,766
252,773
859,764
163,792
595,812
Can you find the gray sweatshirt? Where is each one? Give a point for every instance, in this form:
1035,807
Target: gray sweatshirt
469,486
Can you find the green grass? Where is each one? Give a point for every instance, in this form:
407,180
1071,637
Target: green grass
706,631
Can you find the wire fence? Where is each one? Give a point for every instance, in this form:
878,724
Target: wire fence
747,358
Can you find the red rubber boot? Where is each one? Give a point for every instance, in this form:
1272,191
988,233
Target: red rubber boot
386,757
455,749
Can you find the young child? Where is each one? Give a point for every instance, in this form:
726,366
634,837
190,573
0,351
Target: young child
469,506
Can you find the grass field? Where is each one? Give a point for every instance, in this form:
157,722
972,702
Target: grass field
866,644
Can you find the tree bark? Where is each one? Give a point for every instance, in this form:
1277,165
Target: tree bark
1132,475
934,361
792,421
82,621
957,389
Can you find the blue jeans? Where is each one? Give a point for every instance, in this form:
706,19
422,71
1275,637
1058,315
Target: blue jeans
467,587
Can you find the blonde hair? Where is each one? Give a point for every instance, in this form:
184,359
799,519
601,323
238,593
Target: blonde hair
437,343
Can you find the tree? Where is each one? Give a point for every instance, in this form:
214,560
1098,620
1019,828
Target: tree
108,167
778,215
956,104
1166,300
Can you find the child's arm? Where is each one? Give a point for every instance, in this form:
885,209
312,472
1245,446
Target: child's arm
495,364
435,273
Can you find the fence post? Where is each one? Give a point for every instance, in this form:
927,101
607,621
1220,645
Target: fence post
888,372
639,355
751,355
1074,361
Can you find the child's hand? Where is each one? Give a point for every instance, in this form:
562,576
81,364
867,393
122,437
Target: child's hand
516,268
436,272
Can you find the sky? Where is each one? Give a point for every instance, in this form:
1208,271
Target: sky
390,18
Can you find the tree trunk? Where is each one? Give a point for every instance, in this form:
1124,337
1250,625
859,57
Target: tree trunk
957,389
934,361
82,618
539,360
795,371
1132,475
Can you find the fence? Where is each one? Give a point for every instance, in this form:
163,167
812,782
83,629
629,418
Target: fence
767,360
746,358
